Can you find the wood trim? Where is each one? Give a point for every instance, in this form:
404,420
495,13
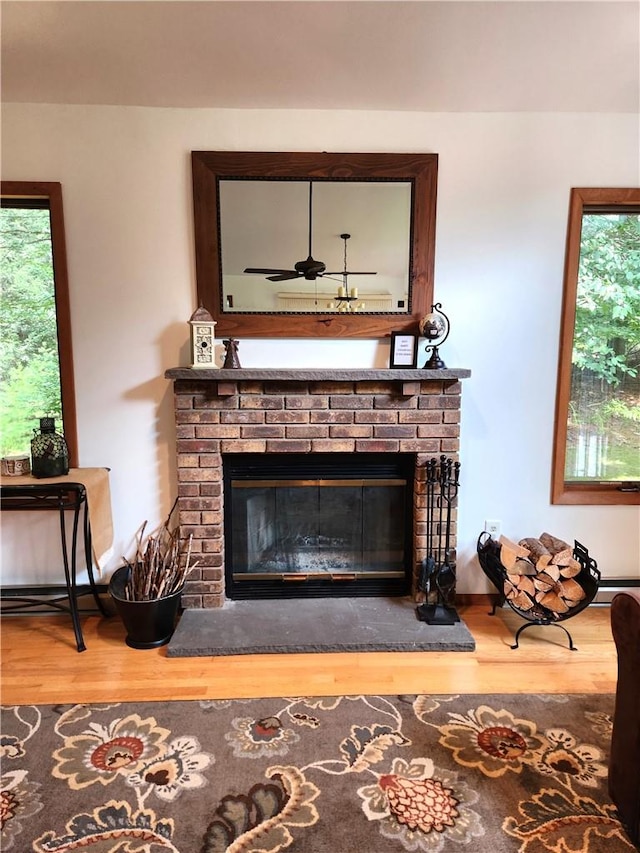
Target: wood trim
53,191
421,169
583,493
476,599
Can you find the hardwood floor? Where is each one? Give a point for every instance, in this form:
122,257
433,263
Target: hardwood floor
41,665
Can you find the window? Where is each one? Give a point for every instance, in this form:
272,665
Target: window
36,365
596,458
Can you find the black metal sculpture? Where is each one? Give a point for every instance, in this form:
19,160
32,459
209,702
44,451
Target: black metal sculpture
231,359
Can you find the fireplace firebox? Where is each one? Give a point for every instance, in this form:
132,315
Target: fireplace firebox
327,524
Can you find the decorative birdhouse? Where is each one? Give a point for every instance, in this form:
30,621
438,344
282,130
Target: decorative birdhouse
202,338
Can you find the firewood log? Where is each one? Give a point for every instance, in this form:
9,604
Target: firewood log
571,570
554,602
572,592
553,544
520,590
515,565
517,597
514,558
508,557
522,601
568,566
526,585
511,580
513,546
543,582
536,551
523,583
561,597
561,558
525,567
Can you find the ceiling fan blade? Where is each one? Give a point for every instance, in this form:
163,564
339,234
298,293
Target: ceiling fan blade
309,269
347,272
264,271
286,276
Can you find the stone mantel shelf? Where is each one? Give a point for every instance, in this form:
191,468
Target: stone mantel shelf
316,374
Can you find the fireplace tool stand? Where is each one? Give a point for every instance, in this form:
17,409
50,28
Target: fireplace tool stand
438,572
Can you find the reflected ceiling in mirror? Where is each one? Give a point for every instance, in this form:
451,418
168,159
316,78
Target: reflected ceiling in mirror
314,244
350,241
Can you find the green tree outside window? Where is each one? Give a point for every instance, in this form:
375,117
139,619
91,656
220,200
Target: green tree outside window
604,413
29,362
596,456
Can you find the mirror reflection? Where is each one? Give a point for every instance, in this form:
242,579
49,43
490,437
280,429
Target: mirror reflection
386,203
326,246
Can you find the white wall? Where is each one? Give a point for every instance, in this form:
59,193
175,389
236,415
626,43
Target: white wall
503,193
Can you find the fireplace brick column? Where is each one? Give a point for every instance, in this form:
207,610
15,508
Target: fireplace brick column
299,411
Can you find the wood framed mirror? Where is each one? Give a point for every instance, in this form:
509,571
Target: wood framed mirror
370,218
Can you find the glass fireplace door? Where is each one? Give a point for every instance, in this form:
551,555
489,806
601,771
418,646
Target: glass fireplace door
321,531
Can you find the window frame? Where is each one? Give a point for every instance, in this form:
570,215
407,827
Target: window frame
604,493
52,191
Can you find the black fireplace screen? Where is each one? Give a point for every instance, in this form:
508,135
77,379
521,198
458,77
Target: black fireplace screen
321,524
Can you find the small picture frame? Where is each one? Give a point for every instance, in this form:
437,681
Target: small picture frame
404,351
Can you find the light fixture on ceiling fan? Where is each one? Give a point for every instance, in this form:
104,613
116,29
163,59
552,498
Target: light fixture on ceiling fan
309,269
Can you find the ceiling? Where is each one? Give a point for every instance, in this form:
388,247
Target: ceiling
439,55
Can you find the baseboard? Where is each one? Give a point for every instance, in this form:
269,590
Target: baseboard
469,599
607,589
612,586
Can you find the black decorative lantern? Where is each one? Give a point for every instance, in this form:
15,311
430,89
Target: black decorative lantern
49,451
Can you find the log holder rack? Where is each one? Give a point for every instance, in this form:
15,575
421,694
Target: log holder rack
588,578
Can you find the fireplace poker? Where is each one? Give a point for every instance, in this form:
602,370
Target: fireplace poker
428,564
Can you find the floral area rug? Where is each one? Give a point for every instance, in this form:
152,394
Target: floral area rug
347,774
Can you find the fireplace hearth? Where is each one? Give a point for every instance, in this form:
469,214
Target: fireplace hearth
332,427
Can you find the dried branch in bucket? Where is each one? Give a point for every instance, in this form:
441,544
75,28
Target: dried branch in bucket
158,568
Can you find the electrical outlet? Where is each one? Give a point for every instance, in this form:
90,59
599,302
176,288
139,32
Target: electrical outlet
493,527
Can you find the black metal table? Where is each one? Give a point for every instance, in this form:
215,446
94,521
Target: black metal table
64,497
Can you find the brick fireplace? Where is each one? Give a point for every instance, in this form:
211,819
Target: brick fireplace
264,411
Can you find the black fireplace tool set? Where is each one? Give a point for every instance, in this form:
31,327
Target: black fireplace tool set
437,577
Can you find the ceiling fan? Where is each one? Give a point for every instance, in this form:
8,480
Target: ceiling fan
309,269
